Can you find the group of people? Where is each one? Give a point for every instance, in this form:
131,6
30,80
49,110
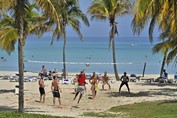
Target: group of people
55,88
47,74
80,86
79,83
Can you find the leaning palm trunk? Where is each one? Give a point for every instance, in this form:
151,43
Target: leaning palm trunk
64,59
163,65
114,51
20,26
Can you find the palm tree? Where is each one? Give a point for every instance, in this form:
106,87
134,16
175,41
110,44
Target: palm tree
110,9
163,47
157,12
70,15
19,6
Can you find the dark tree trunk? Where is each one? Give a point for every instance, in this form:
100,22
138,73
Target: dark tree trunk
114,60
21,75
20,25
64,59
163,65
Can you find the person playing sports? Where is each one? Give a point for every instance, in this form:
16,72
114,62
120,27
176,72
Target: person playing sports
56,90
41,89
125,80
105,81
94,80
81,86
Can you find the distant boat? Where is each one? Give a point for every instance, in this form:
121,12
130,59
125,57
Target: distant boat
133,44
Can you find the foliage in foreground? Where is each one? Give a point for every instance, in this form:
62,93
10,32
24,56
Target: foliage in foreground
9,114
162,109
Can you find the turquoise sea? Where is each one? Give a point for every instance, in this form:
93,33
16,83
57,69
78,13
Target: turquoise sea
131,54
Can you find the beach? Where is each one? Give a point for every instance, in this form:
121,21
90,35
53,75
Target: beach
140,92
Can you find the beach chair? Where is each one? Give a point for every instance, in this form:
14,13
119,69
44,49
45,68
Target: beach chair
132,78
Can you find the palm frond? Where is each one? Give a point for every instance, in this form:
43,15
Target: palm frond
8,37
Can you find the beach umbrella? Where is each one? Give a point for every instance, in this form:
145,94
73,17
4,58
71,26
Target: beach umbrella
132,75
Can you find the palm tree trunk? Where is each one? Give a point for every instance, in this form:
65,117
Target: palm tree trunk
20,25
114,59
163,65
21,75
64,60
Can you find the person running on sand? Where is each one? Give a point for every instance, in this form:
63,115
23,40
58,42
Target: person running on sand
56,90
125,80
41,89
94,80
105,81
81,86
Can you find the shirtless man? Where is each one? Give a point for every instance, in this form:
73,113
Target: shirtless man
41,89
105,81
56,90
94,80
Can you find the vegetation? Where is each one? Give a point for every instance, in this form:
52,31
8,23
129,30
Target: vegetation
162,109
18,20
164,48
157,12
70,14
18,8
110,9
12,114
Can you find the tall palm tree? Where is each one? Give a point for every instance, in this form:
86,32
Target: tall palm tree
19,6
110,9
70,15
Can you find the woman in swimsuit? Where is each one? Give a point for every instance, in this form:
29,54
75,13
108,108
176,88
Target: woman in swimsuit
94,80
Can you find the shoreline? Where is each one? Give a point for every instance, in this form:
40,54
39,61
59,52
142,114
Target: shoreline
4,73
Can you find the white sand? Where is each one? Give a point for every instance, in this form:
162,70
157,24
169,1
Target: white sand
104,100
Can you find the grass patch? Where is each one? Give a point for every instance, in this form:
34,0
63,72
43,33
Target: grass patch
161,109
100,114
13,114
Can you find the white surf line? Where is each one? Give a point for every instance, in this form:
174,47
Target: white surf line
81,63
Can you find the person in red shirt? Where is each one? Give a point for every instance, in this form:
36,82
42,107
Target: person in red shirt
81,86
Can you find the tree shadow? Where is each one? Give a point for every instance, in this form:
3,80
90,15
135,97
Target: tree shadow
158,84
164,91
168,102
7,108
7,91
127,94
13,108
34,109
171,92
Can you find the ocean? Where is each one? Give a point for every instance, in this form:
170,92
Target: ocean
131,55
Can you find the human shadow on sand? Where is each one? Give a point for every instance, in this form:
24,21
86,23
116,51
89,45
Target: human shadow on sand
7,91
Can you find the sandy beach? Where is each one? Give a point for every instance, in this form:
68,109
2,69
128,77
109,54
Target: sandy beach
140,92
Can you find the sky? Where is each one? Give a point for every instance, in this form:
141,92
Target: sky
101,28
